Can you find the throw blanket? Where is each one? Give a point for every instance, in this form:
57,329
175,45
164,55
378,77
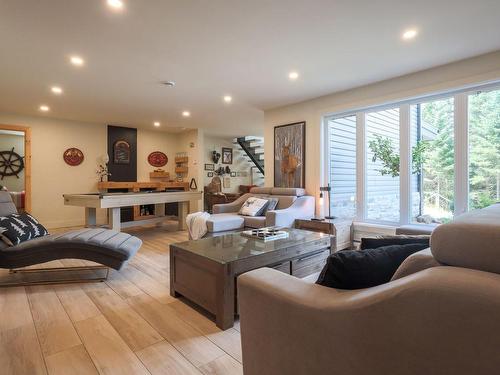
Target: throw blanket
197,224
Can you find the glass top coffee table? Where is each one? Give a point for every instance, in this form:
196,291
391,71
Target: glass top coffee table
205,271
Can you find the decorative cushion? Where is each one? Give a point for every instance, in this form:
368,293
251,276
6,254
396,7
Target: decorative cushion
253,206
17,228
356,269
271,205
373,243
284,201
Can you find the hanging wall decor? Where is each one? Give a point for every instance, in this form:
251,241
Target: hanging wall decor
227,155
289,155
121,152
220,171
11,163
73,156
193,185
215,157
157,159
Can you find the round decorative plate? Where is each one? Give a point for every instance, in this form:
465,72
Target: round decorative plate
157,159
73,156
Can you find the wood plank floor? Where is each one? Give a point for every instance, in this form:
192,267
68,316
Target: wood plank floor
126,325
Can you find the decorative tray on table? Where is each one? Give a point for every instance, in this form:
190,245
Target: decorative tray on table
265,234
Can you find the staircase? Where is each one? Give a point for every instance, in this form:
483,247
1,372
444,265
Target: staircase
252,148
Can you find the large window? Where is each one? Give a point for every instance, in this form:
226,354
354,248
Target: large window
484,149
419,161
433,161
382,185
342,165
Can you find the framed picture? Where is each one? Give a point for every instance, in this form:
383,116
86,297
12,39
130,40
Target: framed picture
121,152
289,155
209,167
227,155
226,182
233,174
210,174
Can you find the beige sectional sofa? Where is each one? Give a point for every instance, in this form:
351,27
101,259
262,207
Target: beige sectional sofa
439,315
293,203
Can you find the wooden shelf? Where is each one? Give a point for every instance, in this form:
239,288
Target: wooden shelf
181,159
159,175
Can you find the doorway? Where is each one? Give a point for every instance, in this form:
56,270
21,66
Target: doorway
15,164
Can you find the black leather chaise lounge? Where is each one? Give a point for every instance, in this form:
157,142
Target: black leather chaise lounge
106,247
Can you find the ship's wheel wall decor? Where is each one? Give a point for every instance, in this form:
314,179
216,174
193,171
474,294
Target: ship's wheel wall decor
11,163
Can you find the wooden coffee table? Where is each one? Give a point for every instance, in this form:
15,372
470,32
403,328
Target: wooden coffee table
205,271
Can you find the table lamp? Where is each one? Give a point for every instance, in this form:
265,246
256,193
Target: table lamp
328,189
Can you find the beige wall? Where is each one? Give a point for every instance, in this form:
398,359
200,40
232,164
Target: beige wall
52,177
239,163
149,141
481,69
7,141
192,143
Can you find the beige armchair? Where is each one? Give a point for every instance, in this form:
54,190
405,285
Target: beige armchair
436,320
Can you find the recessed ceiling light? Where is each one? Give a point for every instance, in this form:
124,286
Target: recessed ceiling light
293,75
115,4
44,108
156,123
186,113
228,99
409,34
56,90
77,60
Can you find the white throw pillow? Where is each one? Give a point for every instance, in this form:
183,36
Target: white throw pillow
253,206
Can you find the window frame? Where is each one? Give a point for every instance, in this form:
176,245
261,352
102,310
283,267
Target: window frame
461,148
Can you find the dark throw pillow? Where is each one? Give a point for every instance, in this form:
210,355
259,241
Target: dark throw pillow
17,228
402,239
271,205
356,269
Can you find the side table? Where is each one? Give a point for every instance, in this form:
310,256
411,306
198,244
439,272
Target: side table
339,229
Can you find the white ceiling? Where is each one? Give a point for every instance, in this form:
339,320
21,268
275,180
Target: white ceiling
214,47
